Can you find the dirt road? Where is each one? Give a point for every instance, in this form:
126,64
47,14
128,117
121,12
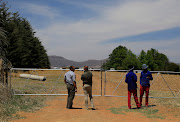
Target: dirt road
56,111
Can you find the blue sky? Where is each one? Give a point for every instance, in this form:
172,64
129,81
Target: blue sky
80,30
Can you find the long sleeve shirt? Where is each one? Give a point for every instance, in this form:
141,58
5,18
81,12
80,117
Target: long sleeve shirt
145,78
131,80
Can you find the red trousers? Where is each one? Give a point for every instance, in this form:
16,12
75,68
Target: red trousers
142,89
135,98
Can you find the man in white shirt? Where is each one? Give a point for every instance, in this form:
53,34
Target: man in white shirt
70,80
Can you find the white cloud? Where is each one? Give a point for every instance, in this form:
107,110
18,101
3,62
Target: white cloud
78,40
42,10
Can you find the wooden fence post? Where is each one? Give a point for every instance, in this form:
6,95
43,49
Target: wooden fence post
1,72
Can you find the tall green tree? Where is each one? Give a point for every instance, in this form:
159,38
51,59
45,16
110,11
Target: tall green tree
116,58
156,60
24,50
121,58
131,59
143,57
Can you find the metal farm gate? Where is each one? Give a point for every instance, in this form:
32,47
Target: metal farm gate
165,84
105,83
49,82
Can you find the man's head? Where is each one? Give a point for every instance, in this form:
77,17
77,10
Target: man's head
144,66
131,67
85,68
72,68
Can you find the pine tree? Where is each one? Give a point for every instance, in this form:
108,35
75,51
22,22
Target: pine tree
24,49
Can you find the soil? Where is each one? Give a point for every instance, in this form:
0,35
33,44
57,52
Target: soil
56,111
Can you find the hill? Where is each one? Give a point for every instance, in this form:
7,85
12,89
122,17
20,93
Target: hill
58,61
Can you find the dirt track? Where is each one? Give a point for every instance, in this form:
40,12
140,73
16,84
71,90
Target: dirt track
57,112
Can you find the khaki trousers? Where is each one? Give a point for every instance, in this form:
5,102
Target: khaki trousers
88,91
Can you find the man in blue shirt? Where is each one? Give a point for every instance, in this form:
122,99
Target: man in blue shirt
145,77
131,80
69,79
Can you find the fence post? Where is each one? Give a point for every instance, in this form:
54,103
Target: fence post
105,82
1,72
101,81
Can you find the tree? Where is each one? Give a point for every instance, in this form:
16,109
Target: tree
116,57
131,59
121,58
143,57
156,61
24,50
173,67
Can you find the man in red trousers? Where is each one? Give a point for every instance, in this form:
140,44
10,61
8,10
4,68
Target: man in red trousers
131,80
145,77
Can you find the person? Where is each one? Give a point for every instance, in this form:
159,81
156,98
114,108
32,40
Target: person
70,80
86,77
131,80
145,77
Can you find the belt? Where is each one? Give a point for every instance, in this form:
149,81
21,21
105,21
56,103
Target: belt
70,84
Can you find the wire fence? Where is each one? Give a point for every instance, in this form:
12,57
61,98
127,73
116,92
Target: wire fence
48,82
51,82
164,84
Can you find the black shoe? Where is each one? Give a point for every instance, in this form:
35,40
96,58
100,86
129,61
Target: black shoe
93,109
70,108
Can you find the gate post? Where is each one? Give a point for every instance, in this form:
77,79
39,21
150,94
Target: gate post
101,81
1,72
105,82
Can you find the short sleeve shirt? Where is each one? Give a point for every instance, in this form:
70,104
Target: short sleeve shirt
70,77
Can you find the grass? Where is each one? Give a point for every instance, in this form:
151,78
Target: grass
39,87
11,104
21,103
148,112
167,102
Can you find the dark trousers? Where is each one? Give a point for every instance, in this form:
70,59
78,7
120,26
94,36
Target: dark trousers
135,98
142,89
71,95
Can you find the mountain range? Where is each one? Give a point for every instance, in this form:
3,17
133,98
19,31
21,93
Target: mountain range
58,61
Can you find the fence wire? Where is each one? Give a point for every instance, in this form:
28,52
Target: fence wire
163,85
53,85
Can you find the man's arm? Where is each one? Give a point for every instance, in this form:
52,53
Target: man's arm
150,76
74,83
82,77
126,80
